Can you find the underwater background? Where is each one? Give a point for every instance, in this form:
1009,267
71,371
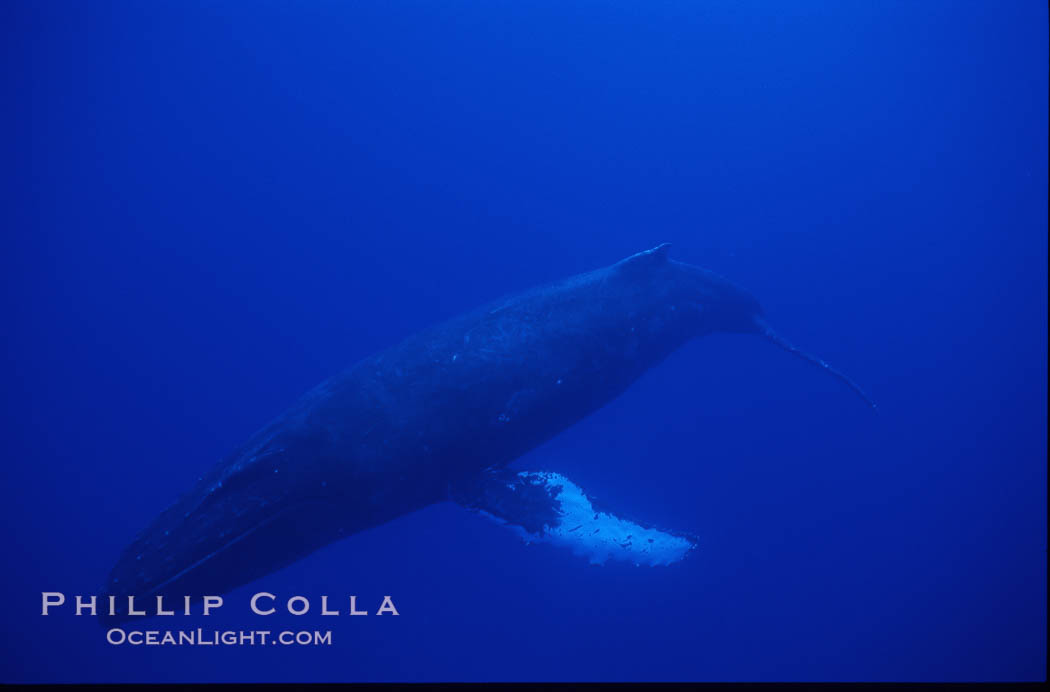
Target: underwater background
213,207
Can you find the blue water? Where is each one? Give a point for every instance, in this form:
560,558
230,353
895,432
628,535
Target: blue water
213,208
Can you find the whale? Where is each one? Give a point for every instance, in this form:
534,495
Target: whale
440,417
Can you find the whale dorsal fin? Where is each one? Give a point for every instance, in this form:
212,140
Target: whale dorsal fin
646,258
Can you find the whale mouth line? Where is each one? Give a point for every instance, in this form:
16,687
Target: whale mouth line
153,591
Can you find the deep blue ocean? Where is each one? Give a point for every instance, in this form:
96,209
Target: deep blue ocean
212,207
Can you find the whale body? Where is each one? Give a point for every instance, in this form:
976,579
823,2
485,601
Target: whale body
439,417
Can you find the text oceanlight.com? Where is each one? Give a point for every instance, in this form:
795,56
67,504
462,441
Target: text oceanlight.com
201,637
261,604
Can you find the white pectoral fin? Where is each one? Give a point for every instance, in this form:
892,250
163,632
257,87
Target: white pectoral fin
546,507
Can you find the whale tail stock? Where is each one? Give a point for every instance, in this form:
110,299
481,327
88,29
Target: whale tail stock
766,331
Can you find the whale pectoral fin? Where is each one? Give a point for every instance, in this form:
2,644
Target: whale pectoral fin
545,507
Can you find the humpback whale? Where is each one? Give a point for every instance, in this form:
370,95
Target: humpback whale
440,417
